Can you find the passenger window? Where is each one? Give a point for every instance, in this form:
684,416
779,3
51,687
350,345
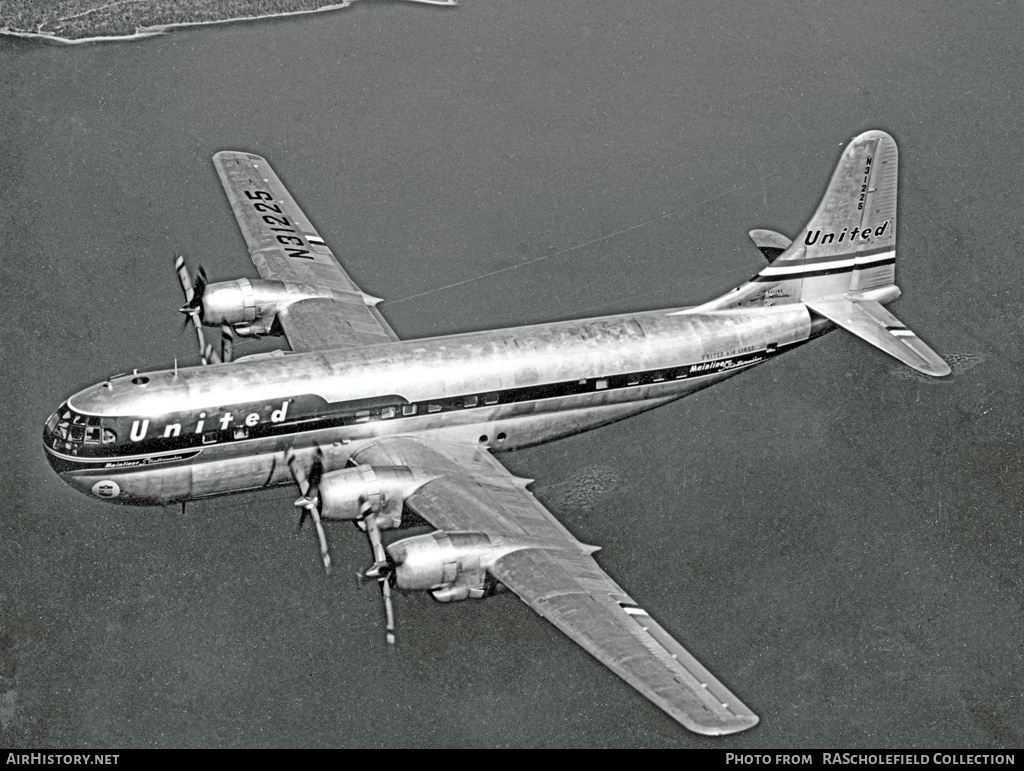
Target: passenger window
387,412
633,380
433,408
601,384
490,398
362,416
659,376
470,401
408,409
209,437
239,432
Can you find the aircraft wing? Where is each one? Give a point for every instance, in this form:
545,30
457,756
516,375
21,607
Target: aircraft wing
557,577
286,247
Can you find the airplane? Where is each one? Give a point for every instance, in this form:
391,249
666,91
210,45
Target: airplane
391,433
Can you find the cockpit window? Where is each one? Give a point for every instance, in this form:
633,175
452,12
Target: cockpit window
67,431
92,431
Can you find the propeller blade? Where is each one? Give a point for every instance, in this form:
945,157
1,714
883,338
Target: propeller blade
322,536
203,347
184,279
193,307
198,290
308,504
316,471
210,356
227,341
389,610
381,571
298,473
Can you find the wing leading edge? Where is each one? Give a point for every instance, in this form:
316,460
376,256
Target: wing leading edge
552,572
286,247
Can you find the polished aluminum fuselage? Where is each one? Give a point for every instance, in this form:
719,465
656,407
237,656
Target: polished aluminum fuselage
205,431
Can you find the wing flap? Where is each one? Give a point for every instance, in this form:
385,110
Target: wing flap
322,324
870,321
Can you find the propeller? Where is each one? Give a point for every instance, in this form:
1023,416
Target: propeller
381,571
309,505
227,340
309,501
193,307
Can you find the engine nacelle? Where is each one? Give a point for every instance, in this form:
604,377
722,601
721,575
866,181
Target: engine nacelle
360,491
452,566
250,306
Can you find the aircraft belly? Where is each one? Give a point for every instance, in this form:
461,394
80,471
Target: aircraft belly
237,474
149,487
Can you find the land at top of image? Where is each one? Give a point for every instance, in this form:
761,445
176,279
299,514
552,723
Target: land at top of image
82,20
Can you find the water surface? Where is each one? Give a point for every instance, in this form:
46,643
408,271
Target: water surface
841,545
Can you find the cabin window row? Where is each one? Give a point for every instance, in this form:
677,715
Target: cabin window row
528,393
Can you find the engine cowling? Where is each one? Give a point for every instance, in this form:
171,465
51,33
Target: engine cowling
250,306
451,566
360,491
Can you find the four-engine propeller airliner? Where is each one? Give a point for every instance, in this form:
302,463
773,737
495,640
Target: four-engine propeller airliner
388,432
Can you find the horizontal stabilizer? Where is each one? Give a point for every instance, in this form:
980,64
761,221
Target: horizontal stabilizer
770,243
872,322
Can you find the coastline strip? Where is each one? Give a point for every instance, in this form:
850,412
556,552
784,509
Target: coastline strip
160,29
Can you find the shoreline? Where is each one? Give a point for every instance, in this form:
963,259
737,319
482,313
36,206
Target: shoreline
157,30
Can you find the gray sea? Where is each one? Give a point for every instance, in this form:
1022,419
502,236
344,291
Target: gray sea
839,540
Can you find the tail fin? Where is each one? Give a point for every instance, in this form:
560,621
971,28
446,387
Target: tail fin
850,242
842,264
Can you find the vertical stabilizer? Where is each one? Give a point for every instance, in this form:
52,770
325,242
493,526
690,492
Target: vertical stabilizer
850,242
